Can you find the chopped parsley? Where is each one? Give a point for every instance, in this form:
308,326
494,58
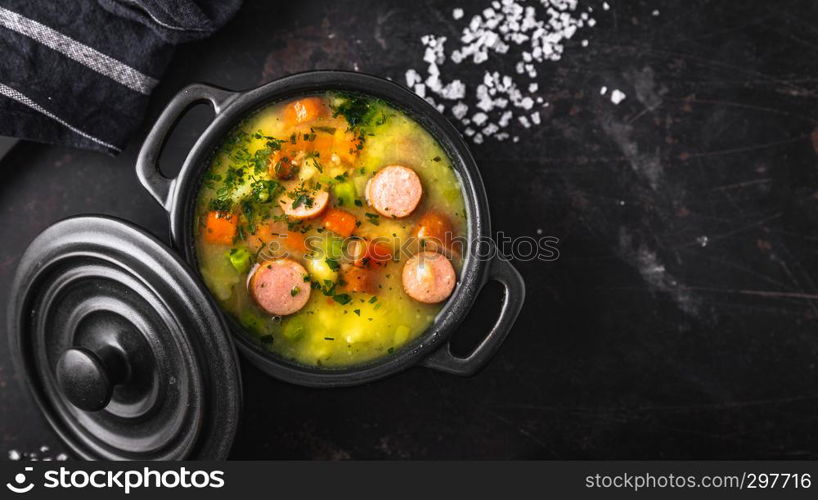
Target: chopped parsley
373,218
342,298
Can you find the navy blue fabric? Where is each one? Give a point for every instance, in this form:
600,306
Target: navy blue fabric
138,33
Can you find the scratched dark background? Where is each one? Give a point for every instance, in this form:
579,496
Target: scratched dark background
680,319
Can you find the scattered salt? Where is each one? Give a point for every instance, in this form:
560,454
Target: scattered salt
514,39
412,78
617,96
459,110
655,13
603,90
35,456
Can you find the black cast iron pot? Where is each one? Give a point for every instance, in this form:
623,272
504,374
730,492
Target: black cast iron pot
482,264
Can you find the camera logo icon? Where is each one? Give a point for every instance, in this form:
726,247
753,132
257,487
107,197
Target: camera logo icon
19,485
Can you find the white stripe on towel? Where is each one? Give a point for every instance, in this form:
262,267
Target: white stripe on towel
22,99
83,54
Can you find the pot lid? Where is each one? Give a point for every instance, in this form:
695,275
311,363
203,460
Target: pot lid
122,347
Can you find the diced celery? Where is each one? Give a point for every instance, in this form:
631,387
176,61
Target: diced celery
240,259
359,182
251,321
293,328
345,193
333,247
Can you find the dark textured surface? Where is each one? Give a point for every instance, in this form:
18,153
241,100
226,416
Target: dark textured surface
644,340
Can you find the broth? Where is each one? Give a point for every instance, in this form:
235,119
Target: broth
262,208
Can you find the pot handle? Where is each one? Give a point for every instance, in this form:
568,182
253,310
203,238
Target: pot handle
503,272
147,163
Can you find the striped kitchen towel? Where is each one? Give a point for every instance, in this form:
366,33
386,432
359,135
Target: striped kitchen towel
79,72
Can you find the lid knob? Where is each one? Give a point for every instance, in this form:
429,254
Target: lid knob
86,379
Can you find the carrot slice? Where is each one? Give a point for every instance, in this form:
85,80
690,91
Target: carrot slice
304,110
434,228
346,145
294,241
265,233
262,236
340,222
375,253
359,280
322,144
220,227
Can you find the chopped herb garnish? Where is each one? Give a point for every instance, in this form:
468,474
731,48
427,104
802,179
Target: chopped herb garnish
265,191
221,204
295,291
357,311
373,218
301,196
342,298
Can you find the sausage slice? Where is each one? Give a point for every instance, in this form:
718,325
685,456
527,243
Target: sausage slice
278,286
306,209
394,191
428,277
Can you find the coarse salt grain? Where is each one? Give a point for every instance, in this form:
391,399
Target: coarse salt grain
457,13
40,455
617,96
459,110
